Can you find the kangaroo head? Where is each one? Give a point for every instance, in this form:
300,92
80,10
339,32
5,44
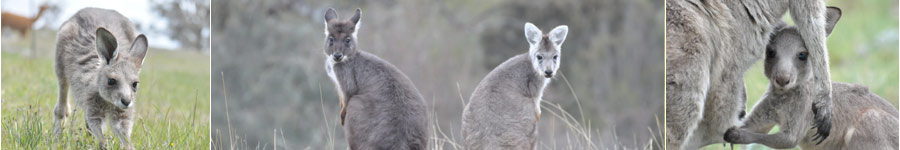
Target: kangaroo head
120,67
786,63
544,50
340,36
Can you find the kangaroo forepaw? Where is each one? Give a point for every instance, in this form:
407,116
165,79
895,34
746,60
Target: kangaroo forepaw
343,115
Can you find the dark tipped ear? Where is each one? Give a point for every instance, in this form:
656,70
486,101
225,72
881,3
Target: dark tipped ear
330,14
832,15
356,16
138,50
106,44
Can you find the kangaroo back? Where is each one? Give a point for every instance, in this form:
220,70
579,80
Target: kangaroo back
503,111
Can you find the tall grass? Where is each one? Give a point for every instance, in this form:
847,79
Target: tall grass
578,134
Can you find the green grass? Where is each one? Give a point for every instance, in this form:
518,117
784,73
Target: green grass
863,49
172,110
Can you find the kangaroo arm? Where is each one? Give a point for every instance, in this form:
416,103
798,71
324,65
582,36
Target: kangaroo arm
809,16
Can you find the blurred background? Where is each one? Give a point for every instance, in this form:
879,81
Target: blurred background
173,110
269,81
863,49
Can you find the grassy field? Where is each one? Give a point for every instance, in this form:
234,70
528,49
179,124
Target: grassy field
172,110
863,49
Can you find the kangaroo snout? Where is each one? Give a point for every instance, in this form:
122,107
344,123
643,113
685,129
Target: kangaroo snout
782,81
337,57
126,102
548,73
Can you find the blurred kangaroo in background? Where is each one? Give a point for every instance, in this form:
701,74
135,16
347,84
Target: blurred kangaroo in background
861,119
709,47
99,55
506,105
382,108
21,23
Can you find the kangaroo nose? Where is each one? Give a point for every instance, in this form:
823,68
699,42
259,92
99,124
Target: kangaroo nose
126,102
548,73
337,57
782,81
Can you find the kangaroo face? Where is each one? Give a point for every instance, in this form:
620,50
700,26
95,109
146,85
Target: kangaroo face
120,68
544,50
340,36
786,62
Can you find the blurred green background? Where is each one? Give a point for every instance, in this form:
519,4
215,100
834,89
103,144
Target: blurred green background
863,49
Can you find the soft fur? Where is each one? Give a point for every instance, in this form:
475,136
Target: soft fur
381,109
861,119
709,47
99,55
505,106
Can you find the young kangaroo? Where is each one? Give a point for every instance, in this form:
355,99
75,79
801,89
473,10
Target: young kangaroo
710,45
505,107
99,55
861,119
381,106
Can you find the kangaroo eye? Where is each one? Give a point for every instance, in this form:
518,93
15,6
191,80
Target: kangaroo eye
330,41
347,41
539,57
802,56
111,81
134,85
555,57
770,53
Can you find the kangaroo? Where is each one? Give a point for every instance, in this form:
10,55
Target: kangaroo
21,23
381,106
99,55
861,119
709,47
506,105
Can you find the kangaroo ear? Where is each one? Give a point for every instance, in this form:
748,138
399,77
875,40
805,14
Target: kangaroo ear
138,50
330,14
532,34
356,16
558,35
106,45
832,15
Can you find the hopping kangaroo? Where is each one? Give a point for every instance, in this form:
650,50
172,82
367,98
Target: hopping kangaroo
99,55
505,107
381,106
711,44
861,119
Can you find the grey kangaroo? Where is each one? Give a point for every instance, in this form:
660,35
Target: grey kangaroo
710,44
381,106
505,106
99,55
861,119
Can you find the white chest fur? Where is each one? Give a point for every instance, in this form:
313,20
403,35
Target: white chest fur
537,101
329,68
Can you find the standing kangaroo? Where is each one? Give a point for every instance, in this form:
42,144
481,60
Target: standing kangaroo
505,107
709,47
99,55
381,106
861,119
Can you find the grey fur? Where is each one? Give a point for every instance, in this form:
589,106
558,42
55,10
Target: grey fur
709,47
99,55
381,106
861,119
505,106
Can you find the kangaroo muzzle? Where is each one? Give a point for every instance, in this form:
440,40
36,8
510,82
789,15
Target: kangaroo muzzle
337,57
